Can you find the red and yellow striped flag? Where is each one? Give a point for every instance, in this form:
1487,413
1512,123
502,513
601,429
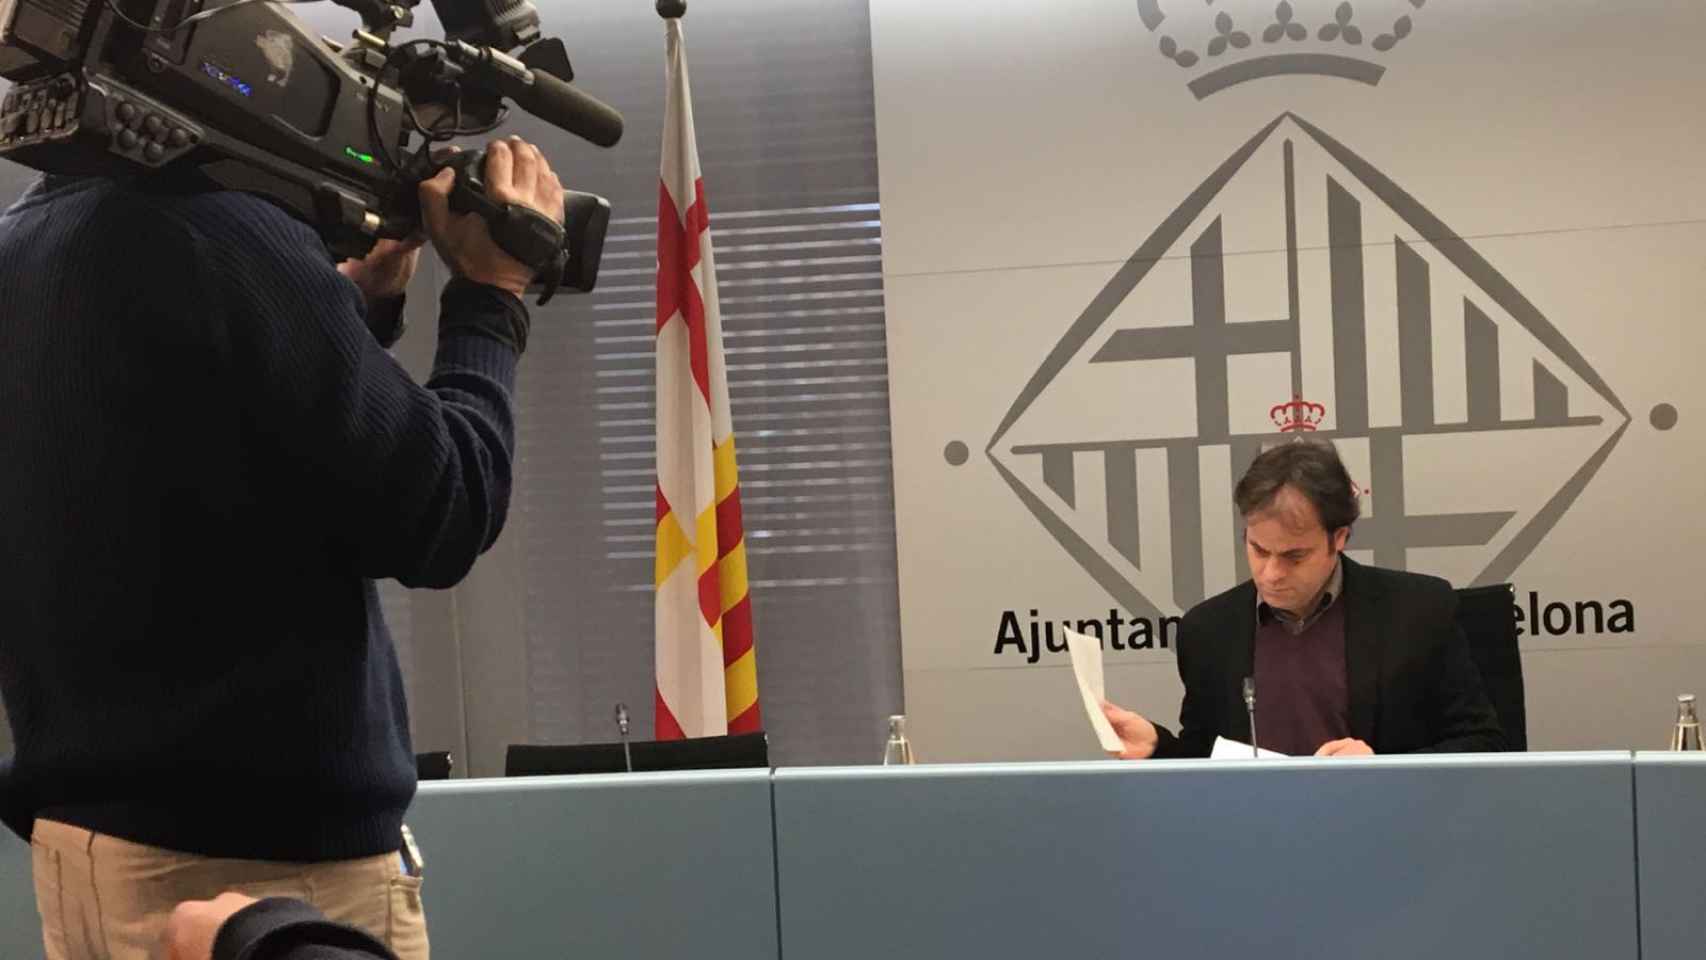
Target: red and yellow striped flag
707,677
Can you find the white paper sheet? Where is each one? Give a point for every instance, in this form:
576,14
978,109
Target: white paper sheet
1225,749
1086,655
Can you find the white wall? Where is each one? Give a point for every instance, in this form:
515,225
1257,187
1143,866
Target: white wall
1540,162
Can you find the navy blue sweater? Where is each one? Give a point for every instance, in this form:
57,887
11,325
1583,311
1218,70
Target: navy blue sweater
205,461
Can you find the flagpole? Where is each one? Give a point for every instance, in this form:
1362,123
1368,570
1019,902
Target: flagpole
707,666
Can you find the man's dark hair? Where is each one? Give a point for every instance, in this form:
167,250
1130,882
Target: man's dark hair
1313,469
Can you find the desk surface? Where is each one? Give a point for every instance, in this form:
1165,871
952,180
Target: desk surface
641,865
1396,857
20,927
1670,798
649,865
1496,856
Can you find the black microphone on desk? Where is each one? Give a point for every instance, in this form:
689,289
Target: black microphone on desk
1250,708
622,727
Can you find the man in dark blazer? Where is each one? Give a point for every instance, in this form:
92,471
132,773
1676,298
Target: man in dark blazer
1346,659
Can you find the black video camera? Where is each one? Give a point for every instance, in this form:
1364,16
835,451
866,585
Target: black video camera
339,135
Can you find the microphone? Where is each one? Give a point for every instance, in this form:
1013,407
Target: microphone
561,105
541,93
622,727
1250,708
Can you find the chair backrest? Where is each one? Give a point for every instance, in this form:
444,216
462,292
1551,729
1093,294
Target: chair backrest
434,765
699,753
1487,617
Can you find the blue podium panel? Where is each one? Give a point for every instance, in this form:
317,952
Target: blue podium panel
1670,813
1390,857
20,927
635,865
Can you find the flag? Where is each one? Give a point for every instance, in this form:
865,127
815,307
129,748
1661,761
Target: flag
707,677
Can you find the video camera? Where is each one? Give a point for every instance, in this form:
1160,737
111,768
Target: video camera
340,135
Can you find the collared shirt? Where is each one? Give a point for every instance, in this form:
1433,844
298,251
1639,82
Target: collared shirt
1294,624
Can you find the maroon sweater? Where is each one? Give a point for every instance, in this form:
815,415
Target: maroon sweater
1303,697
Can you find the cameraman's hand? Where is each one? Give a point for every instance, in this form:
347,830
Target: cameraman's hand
194,925
516,172
385,272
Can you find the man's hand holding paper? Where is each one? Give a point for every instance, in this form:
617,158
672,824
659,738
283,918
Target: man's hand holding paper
1122,733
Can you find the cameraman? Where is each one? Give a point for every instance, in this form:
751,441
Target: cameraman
209,458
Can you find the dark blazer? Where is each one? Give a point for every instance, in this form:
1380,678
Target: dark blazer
1413,687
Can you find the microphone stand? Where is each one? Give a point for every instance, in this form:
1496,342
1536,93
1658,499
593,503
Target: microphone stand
1250,708
622,727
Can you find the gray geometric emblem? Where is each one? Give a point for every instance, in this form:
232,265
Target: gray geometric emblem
1297,269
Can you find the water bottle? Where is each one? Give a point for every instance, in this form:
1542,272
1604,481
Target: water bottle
898,750
1686,735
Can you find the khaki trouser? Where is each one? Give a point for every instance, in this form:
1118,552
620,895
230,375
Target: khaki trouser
102,898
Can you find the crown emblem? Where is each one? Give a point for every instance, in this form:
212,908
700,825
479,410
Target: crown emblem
1251,39
1297,415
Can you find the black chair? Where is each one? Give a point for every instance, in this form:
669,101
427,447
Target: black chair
433,766
1487,617
699,753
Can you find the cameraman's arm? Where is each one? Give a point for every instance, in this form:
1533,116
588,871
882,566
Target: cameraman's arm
15,811
413,481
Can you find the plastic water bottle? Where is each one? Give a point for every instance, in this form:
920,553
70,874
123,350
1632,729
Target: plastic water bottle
1686,735
898,750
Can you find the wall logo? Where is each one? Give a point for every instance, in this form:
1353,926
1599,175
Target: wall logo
1321,37
1297,269
1297,416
